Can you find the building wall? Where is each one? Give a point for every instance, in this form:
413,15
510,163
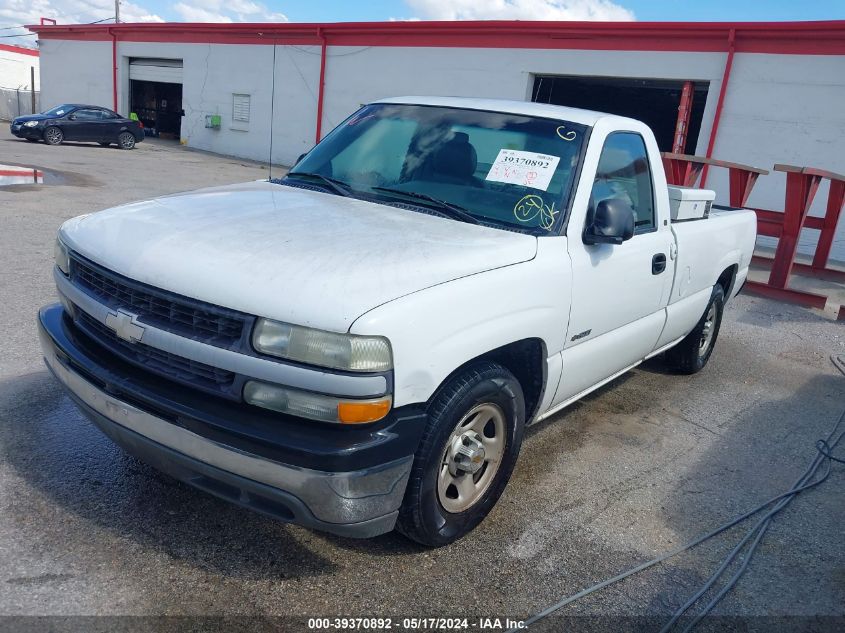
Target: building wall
15,68
784,109
778,108
75,72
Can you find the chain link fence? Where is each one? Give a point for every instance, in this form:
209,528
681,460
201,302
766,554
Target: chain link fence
15,102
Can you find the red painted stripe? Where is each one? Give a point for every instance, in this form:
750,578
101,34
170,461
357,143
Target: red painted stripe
18,172
22,50
809,38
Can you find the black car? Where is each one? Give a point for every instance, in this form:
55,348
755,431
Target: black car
75,122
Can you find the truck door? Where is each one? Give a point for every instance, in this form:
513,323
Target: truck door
619,292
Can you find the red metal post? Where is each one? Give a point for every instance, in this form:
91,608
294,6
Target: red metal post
741,184
321,87
800,190
114,68
681,172
721,102
835,199
682,125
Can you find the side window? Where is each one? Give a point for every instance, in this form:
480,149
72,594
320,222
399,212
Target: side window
624,173
87,115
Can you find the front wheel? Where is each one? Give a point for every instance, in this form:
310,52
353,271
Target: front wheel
692,353
53,136
466,455
126,140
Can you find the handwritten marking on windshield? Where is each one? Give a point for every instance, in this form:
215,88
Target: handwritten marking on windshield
530,206
566,136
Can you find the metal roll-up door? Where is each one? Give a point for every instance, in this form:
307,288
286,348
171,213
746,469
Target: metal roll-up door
167,71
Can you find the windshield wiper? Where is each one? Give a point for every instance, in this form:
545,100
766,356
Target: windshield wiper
445,208
338,186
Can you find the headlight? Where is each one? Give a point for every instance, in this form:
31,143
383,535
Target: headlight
30,124
62,257
325,349
315,406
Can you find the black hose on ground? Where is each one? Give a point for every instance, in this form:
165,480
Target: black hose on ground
824,455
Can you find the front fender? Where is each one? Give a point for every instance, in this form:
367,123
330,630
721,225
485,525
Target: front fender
436,330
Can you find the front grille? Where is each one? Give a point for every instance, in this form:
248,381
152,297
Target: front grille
184,370
165,310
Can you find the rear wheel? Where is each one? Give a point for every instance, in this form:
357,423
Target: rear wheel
126,140
53,136
466,456
691,354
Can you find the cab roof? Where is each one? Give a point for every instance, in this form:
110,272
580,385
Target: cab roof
527,108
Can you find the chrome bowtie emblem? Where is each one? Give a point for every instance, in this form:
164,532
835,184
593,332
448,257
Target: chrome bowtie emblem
125,325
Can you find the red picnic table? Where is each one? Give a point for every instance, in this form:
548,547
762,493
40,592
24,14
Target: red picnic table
684,170
801,186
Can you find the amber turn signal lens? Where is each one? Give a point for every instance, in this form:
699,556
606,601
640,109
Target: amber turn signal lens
362,412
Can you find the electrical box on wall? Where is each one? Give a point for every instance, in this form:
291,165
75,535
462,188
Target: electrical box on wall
212,121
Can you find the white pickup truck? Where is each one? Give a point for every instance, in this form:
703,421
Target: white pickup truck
359,345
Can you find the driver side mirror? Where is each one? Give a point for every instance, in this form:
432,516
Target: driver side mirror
612,223
71,117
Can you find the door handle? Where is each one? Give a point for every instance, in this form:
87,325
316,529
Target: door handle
658,263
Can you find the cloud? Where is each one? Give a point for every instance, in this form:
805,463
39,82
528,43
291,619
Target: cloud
226,11
15,12
604,10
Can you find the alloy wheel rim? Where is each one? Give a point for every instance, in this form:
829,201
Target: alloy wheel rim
53,135
471,458
125,141
708,330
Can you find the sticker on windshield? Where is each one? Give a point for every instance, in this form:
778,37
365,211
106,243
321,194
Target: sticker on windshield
528,169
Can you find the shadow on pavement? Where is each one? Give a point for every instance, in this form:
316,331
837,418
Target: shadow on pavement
64,458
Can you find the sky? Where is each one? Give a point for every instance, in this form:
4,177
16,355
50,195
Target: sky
14,13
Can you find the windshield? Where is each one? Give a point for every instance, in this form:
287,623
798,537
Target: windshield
58,110
502,169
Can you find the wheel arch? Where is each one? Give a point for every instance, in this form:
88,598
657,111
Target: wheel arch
525,359
727,279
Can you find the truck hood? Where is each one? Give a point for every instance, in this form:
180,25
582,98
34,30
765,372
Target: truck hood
290,254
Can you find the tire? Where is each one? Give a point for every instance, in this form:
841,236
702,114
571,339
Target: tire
104,144
53,135
126,140
435,512
692,353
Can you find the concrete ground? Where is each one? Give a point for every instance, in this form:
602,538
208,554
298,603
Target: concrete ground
638,468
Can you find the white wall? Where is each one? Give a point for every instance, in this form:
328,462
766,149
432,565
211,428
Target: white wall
778,108
15,70
75,72
784,109
356,75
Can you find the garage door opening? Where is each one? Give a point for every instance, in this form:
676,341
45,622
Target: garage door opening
155,95
659,103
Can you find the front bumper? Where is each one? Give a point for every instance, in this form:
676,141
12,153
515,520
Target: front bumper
21,131
356,503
